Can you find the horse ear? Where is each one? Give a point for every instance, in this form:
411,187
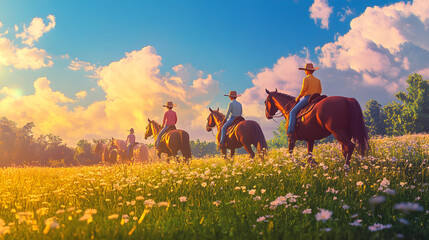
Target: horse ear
210,109
148,119
276,89
217,109
268,92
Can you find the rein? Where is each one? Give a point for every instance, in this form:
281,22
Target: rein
281,114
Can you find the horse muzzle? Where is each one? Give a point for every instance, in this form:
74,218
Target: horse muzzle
209,129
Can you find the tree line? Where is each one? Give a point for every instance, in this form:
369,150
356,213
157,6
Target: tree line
410,115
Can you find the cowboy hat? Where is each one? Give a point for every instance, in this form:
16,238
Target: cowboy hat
309,66
170,104
232,94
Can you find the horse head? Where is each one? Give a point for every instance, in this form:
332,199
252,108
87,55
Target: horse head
149,131
270,106
211,121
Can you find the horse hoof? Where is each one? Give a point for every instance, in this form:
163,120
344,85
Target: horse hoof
301,164
312,162
346,167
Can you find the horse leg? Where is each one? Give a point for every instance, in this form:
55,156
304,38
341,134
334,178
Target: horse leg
291,145
347,146
310,145
249,149
349,154
232,152
223,150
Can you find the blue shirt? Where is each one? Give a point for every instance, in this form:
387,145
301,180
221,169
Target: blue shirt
234,109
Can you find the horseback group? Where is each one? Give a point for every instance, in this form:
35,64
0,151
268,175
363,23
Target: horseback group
310,116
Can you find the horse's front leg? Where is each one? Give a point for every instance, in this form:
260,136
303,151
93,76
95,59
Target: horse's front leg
291,145
310,145
223,150
232,152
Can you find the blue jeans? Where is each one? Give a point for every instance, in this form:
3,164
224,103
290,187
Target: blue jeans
292,115
128,149
224,128
158,139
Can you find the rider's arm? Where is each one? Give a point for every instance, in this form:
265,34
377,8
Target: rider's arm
165,119
229,111
303,89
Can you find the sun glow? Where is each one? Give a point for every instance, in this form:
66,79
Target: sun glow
12,92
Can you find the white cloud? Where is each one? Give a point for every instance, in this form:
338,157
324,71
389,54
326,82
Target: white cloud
81,94
344,13
36,30
384,45
320,10
134,90
424,73
22,58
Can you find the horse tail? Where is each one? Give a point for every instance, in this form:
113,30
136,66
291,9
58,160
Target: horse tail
260,139
186,146
143,152
358,128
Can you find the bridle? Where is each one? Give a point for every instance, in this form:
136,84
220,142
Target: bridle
217,125
281,114
152,127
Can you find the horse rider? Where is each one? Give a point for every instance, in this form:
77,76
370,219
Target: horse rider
310,85
131,139
170,119
234,110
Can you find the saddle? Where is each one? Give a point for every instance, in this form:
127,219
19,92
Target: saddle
170,128
312,101
234,125
131,149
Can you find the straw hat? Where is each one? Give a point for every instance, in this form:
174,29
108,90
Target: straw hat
170,104
309,66
232,94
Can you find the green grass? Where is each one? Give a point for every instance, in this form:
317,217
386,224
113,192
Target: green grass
225,200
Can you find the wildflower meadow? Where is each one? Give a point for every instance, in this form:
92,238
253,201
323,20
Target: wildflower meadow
383,196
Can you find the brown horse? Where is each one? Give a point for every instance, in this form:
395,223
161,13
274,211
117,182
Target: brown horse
339,116
244,135
171,143
108,153
140,152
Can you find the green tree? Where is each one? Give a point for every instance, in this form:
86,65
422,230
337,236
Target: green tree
374,118
84,153
203,148
280,136
412,116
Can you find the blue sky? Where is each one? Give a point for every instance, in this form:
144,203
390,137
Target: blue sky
212,47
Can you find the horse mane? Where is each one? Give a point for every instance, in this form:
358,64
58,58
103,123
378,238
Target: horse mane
289,97
155,122
221,114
